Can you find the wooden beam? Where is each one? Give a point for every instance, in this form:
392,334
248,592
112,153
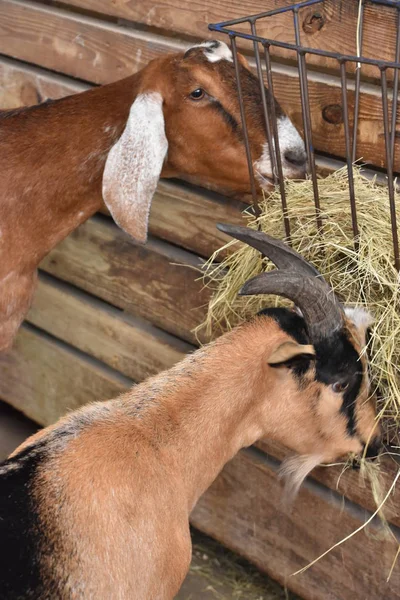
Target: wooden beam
157,282
25,85
91,50
44,378
131,346
188,217
331,25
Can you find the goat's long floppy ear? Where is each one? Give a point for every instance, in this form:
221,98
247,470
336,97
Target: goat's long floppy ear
134,165
290,350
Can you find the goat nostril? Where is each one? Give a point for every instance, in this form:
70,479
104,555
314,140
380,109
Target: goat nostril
373,448
297,158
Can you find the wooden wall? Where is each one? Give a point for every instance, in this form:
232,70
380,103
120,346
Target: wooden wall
108,312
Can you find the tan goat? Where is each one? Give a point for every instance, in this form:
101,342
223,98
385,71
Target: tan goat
97,506
178,117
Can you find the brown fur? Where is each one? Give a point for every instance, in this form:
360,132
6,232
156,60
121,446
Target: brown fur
118,479
52,158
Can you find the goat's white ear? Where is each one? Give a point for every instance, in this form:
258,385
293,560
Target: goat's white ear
361,318
289,350
134,165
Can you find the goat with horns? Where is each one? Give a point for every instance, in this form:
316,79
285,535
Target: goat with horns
178,117
98,505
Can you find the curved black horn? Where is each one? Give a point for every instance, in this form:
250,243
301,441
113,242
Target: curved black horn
318,303
281,255
296,280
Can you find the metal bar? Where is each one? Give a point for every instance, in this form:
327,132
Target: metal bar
244,127
392,204
381,64
357,89
281,181
262,15
284,9
395,92
391,3
343,78
270,115
265,110
305,108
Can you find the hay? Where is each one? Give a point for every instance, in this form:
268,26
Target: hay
363,277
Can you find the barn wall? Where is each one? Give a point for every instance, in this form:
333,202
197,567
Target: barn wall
108,312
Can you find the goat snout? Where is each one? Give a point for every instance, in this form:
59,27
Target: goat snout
374,448
372,451
296,159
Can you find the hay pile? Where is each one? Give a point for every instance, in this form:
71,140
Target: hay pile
366,277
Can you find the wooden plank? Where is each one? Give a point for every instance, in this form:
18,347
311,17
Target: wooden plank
243,510
44,379
101,52
328,131
76,45
132,346
22,85
188,217
156,282
330,26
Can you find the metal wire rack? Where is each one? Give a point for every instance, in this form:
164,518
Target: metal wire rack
246,28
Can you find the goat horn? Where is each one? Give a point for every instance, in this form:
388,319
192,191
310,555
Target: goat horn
281,255
296,280
316,300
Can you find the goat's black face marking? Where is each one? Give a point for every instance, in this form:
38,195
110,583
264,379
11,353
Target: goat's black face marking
337,360
292,324
230,119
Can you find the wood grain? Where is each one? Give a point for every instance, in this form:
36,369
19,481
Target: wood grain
157,281
76,45
243,509
23,85
188,217
44,378
330,26
102,52
131,346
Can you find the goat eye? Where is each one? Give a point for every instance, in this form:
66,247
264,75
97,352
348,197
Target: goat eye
339,386
197,94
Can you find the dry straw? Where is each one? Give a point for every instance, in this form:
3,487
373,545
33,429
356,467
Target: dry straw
365,276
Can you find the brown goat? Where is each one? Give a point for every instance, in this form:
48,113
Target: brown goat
97,506
178,117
